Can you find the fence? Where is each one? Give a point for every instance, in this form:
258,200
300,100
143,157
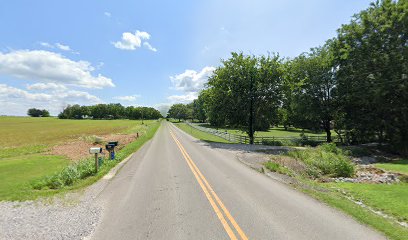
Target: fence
235,138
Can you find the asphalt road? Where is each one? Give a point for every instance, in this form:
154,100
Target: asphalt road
177,187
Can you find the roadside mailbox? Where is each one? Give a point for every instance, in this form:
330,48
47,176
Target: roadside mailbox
96,151
110,147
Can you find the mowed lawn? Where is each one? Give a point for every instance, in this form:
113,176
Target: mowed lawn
391,199
273,132
25,141
399,166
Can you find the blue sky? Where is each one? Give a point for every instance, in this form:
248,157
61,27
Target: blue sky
151,53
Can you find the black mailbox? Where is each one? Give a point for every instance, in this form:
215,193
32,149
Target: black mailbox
109,146
114,143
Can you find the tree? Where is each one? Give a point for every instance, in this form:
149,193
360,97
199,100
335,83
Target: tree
178,111
34,112
244,92
313,96
371,55
198,109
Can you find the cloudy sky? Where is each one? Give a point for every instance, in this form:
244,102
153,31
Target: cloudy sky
151,53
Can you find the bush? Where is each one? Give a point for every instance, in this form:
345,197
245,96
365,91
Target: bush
272,142
67,176
326,160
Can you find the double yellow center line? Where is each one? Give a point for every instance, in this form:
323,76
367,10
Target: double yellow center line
211,195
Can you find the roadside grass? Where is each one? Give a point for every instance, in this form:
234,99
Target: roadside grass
325,160
24,158
200,134
272,132
17,172
399,166
390,199
336,199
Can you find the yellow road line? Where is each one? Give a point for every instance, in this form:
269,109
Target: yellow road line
207,188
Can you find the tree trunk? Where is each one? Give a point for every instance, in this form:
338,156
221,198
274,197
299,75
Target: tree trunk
328,131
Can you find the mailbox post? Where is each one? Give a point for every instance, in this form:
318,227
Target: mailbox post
111,149
96,151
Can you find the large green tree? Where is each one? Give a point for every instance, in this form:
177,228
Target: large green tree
178,111
313,91
372,61
244,92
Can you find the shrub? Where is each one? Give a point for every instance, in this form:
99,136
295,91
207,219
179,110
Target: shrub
326,159
272,142
69,175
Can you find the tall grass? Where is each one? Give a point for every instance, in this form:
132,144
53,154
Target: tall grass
325,160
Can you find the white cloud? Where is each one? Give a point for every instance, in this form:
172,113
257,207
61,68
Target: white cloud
185,98
45,44
191,81
127,98
49,67
46,86
146,44
163,108
63,47
132,41
16,101
108,14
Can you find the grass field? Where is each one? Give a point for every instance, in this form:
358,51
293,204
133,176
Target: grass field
399,166
25,143
199,134
272,132
23,131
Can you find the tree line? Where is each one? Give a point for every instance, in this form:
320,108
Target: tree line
355,84
109,111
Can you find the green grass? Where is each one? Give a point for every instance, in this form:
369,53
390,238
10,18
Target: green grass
276,167
200,134
25,142
17,172
23,131
272,132
399,166
391,199
335,199
324,160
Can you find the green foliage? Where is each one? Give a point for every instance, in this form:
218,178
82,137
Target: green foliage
178,111
272,142
244,92
109,111
276,167
371,54
325,160
34,112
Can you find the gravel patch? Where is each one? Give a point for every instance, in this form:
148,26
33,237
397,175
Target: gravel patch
35,220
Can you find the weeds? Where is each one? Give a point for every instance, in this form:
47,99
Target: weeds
325,160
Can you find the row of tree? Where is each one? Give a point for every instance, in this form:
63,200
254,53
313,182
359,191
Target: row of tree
109,111
356,84
194,110
35,112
